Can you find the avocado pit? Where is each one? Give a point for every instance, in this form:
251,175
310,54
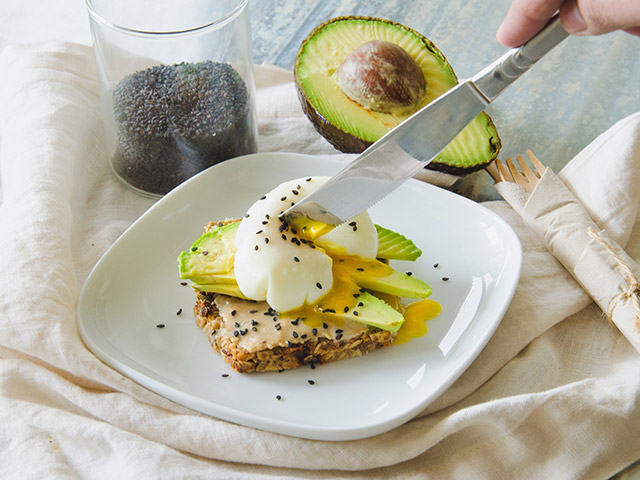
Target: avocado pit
382,77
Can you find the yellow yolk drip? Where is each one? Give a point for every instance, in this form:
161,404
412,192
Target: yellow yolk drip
309,228
344,293
416,315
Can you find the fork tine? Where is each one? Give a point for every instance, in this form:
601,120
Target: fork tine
526,170
540,168
504,171
515,173
492,169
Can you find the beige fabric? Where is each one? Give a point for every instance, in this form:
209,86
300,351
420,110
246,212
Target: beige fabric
553,395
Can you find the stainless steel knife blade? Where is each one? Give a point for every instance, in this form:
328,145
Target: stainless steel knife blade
410,146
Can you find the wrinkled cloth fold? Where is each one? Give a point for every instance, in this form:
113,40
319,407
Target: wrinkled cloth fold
554,394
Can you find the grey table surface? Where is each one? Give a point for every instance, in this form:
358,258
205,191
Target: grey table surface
574,94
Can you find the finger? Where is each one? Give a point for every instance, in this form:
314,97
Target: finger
594,17
524,19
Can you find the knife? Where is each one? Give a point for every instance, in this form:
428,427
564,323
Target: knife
409,147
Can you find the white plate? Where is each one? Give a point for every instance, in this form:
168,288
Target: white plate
135,286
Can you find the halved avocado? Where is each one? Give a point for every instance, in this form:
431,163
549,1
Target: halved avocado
351,127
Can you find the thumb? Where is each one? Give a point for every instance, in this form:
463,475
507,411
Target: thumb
593,17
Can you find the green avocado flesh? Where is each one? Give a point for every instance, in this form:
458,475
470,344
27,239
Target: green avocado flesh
209,265
349,126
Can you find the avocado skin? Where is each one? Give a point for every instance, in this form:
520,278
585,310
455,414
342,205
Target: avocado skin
349,143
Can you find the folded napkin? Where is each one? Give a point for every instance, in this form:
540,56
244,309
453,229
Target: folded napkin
553,394
595,260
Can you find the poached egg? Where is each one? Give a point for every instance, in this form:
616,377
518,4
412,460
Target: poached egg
276,263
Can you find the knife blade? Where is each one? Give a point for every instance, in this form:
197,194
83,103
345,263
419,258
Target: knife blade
415,142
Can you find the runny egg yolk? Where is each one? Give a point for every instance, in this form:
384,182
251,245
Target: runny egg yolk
343,297
416,315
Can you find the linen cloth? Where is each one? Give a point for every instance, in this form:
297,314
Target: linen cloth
555,393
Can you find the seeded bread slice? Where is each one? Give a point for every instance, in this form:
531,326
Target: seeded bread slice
238,339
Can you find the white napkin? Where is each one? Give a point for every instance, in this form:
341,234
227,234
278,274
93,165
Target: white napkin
553,395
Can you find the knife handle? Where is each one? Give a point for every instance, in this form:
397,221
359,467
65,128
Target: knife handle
497,76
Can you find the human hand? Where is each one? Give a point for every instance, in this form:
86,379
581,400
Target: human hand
525,18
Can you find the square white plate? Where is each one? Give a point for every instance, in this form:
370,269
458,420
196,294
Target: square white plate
135,286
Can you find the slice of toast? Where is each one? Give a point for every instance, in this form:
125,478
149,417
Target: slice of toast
252,337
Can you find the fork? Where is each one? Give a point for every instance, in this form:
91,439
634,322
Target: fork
525,177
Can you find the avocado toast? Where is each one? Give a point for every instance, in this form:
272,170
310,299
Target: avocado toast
271,296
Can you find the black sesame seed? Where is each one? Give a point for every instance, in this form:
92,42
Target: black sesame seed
314,331
311,382
339,330
266,240
295,192
264,222
295,322
246,216
319,285
278,326
295,334
266,215
329,310
233,312
296,259
360,269
355,312
237,325
360,304
244,332
294,231
284,237
308,179
445,279
236,333
352,224
224,375
160,325
193,249
290,344
256,247
339,336
254,329
278,397
204,252
346,309
304,335
409,273
283,198
258,232
324,325
179,311
253,322
435,265
184,284
356,295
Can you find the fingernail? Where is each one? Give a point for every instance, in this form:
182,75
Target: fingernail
573,21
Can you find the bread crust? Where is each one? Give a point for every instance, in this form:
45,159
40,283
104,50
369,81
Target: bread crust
288,355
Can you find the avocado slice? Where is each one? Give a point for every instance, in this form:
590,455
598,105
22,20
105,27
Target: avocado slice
397,283
351,127
395,246
374,312
211,254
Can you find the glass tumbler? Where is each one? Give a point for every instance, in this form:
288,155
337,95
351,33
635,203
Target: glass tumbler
176,87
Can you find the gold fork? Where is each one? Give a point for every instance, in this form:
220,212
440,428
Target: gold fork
525,177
